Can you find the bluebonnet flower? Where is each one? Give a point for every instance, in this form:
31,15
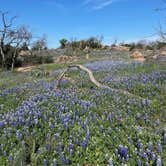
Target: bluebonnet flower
11,159
64,160
36,121
2,124
70,146
110,163
60,147
148,152
159,161
106,156
123,152
147,164
164,136
139,163
106,65
47,147
57,136
54,163
1,147
150,146
19,135
70,139
139,143
159,148
45,162
108,130
130,140
153,156
145,156
48,136
101,128
39,151
5,154
158,121
84,143
71,152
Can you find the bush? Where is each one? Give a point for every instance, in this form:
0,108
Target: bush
37,59
92,42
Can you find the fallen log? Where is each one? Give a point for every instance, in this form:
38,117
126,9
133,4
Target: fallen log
94,81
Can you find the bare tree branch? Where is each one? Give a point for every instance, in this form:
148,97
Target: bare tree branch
94,81
161,32
12,37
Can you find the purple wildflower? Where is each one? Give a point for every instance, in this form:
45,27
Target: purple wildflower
84,144
159,148
123,152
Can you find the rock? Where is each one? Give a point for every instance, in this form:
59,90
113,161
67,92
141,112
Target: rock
24,53
155,57
140,59
163,53
136,54
87,56
25,69
120,48
67,59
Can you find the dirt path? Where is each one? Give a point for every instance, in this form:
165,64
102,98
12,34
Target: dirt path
25,69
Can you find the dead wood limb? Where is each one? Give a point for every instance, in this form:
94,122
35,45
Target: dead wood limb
61,77
91,76
94,81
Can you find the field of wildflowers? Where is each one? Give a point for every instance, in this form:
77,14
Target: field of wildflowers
79,124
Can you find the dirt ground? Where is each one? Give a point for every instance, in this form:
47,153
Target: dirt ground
24,69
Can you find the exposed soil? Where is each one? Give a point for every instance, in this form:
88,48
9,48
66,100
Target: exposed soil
24,69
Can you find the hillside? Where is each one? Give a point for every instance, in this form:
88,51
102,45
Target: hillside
79,123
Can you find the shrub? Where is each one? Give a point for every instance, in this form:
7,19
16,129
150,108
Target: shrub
37,59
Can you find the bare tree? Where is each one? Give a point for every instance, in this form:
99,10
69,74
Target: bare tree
5,32
161,8
40,44
161,32
18,38
10,36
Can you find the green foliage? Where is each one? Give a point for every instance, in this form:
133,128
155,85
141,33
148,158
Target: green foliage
159,44
92,42
37,59
24,47
63,42
9,52
40,44
52,122
156,45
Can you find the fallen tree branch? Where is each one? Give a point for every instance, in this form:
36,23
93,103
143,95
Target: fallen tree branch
91,76
61,77
94,81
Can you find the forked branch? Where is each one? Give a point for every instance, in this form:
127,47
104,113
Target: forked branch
94,81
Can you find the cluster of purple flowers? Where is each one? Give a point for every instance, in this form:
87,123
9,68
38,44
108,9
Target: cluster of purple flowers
106,65
64,126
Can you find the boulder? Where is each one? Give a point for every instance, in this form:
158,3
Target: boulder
120,48
136,54
163,53
66,59
87,56
24,53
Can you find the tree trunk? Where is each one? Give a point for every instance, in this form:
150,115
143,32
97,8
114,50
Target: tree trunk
13,59
3,57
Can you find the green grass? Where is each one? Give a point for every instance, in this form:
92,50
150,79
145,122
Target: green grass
34,100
